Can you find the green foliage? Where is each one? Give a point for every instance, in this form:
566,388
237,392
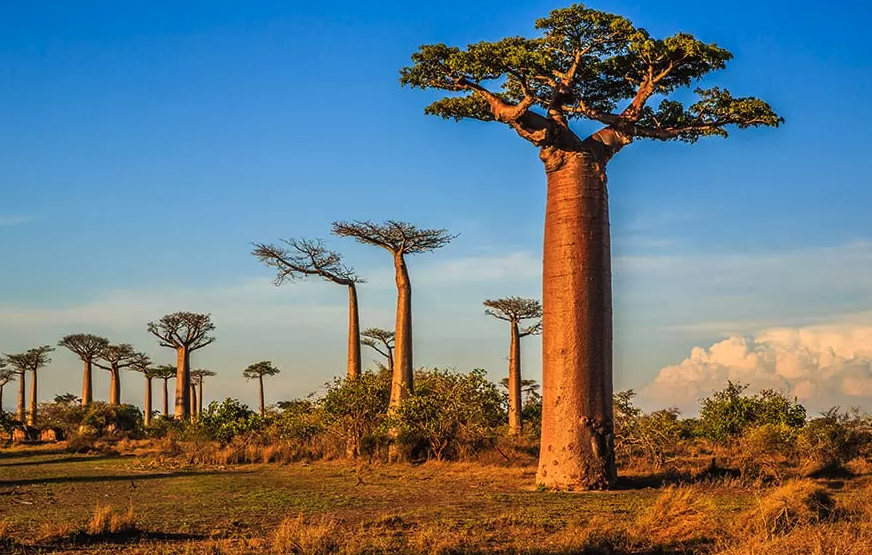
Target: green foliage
299,421
356,409
450,412
728,413
650,437
229,419
836,437
95,419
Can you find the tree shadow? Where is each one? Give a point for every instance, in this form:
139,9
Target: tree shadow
103,478
60,460
24,453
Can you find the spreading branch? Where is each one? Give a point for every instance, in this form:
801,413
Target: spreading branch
305,257
400,238
32,359
121,356
260,369
381,340
183,330
87,346
514,310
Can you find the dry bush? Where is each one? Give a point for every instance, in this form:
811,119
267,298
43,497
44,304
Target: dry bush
795,504
104,521
295,535
824,539
680,515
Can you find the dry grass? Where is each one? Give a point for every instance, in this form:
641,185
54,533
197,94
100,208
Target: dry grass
799,503
681,515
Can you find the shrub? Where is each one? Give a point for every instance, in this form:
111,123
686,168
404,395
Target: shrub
728,413
229,419
355,410
647,436
835,438
100,418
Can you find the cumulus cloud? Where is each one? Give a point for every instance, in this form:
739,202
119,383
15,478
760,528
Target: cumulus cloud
822,366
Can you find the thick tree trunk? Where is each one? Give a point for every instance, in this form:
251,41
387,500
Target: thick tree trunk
577,446
183,383
260,383
22,391
200,403
147,401
31,416
391,361
515,381
193,402
402,385
2,412
353,334
166,407
115,386
87,385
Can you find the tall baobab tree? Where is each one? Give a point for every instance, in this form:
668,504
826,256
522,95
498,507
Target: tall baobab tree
514,310
32,360
382,341
6,376
197,377
185,332
165,373
257,371
595,66
400,239
308,257
148,372
116,358
87,347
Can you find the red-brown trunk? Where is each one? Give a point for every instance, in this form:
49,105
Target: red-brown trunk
200,403
183,384
31,416
22,392
166,407
1,399
114,386
147,401
193,402
515,381
353,334
402,383
87,384
260,383
577,446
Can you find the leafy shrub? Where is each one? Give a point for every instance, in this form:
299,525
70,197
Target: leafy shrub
728,413
96,418
647,436
229,419
450,413
355,410
835,438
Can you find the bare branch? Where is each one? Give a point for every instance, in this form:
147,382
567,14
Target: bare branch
187,330
305,257
397,237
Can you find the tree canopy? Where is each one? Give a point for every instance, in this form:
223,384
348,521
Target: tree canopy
585,64
259,369
198,374
305,257
122,355
183,330
164,372
86,345
32,359
515,309
378,338
397,237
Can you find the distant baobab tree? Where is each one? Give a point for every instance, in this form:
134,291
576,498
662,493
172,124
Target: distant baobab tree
32,360
514,310
148,372
185,332
197,378
400,239
117,358
165,373
87,347
382,341
595,66
6,376
310,257
257,371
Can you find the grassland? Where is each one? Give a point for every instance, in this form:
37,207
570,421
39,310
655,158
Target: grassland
56,502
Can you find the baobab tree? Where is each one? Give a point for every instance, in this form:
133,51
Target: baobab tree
87,347
382,341
185,332
6,376
593,66
308,257
400,239
117,358
165,373
149,373
32,360
197,377
258,370
514,310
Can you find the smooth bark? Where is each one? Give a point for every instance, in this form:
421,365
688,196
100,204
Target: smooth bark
22,391
1,399
577,446
354,367
200,403
31,416
147,401
183,383
515,381
402,385
114,386
193,389
87,384
260,383
166,404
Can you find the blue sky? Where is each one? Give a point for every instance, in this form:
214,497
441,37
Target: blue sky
146,145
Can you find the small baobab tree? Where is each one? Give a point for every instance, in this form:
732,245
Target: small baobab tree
514,310
6,376
32,360
400,239
185,332
588,65
165,373
382,341
197,377
116,358
310,257
148,372
88,347
257,371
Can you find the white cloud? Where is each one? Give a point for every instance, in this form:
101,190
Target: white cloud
6,221
822,366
